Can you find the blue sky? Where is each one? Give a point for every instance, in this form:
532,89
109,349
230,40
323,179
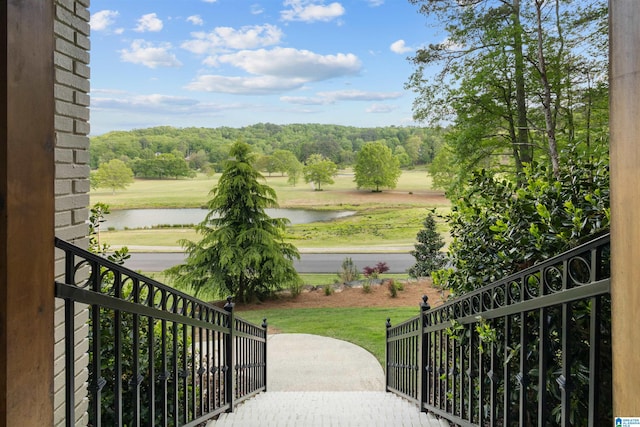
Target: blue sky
211,63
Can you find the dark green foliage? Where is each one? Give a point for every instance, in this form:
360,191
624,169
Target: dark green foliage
337,143
130,328
376,167
319,170
114,174
427,250
162,166
499,228
242,251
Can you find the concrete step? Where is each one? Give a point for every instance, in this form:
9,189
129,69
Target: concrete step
327,409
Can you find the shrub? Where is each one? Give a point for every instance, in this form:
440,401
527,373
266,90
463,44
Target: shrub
427,250
296,288
375,272
366,288
393,289
328,290
348,272
500,227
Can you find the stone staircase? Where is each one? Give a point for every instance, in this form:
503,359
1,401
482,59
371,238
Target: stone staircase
324,408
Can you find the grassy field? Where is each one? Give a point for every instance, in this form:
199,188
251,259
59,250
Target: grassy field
360,326
387,219
185,193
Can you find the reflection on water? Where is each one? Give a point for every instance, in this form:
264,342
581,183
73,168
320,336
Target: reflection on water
140,218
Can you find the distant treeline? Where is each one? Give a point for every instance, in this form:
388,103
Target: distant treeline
206,148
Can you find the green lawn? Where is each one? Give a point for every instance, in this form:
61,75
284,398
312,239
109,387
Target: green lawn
361,326
185,193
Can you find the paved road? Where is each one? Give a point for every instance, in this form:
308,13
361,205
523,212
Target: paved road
308,263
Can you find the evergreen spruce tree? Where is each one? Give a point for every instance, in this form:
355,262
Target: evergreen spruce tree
427,250
242,252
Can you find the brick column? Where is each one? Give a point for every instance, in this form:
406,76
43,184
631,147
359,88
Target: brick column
71,58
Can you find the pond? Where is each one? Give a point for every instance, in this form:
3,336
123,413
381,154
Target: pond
147,218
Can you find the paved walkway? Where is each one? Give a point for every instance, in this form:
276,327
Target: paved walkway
316,381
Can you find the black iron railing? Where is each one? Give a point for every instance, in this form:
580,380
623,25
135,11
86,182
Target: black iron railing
156,356
533,349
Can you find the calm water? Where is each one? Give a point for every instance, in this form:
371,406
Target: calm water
140,218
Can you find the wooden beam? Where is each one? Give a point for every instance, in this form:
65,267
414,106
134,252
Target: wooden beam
26,213
624,36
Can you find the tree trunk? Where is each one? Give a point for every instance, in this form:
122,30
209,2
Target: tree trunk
523,149
546,96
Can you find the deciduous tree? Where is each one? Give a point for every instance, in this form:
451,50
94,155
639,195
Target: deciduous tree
319,171
114,174
376,167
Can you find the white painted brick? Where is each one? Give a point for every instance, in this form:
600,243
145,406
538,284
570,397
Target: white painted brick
82,157
62,219
71,19
63,61
83,41
64,31
81,186
63,93
73,232
71,171
71,50
81,127
64,124
80,216
72,141
63,155
62,186
71,80
81,9
81,98
69,4
72,201
72,110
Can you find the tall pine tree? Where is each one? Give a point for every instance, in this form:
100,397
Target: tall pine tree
242,251
427,250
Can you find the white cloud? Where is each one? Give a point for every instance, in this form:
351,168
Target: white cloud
101,21
149,22
156,103
311,11
304,100
294,63
323,98
224,38
195,20
262,85
400,47
375,3
380,108
209,1
256,9
150,55
359,95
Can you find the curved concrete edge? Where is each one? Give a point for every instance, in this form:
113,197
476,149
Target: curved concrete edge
305,362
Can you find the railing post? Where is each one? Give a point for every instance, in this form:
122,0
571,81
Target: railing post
229,380
423,352
265,325
386,354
